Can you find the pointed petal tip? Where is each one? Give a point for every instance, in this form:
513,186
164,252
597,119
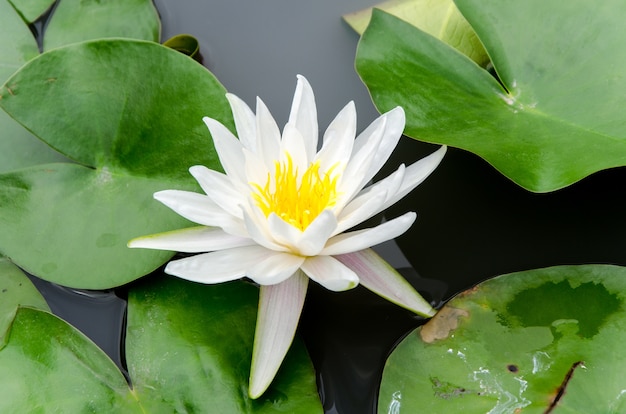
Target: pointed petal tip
143,242
195,169
341,285
255,392
207,120
159,195
280,307
303,79
396,114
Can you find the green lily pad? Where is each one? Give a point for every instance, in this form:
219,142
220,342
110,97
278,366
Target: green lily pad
18,147
130,114
179,330
17,44
79,20
547,340
48,366
556,116
72,21
15,290
439,18
31,9
199,363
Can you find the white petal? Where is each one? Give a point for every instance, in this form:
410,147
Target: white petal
365,147
200,209
219,266
257,228
283,232
245,121
379,277
372,148
330,273
359,210
303,115
415,174
274,269
191,240
315,236
219,188
279,312
394,126
256,170
362,239
293,144
338,139
268,135
369,202
229,149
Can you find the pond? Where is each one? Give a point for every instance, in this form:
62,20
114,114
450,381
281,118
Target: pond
473,223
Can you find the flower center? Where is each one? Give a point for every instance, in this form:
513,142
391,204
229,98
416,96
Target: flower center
298,198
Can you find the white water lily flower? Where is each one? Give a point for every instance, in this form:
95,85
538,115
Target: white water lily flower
280,212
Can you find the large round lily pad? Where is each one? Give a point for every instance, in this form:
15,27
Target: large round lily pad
547,340
129,113
553,116
72,21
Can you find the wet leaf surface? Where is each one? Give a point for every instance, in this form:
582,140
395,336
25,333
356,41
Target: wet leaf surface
551,118
72,21
188,349
129,113
546,340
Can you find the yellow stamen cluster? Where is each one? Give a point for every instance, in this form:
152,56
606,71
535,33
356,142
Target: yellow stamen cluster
297,199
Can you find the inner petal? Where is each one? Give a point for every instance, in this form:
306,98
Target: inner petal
297,197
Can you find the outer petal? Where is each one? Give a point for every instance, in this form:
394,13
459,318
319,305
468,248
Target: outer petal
369,201
373,147
379,277
219,188
267,135
245,121
191,240
338,139
220,266
365,147
415,174
274,269
201,209
330,273
361,239
280,307
303,115
394,126
229,149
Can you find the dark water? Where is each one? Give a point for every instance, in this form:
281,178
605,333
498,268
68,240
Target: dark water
472,223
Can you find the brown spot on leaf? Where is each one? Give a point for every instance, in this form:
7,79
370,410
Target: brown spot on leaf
440,326
560,392
512,368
